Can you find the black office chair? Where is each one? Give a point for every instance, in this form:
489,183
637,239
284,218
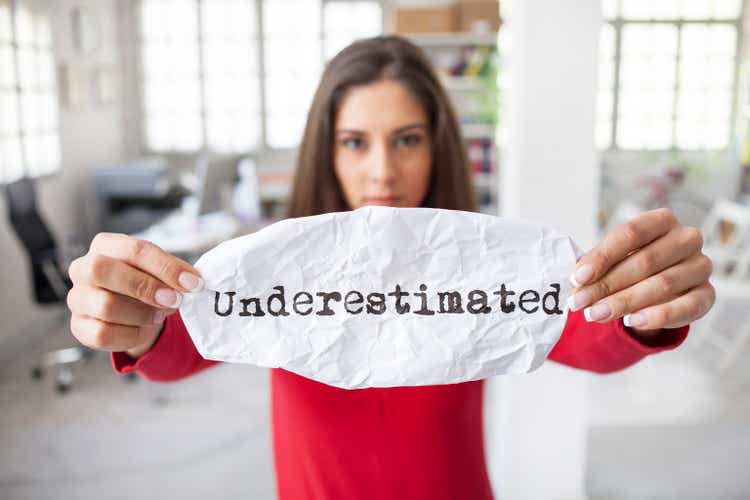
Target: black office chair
51,282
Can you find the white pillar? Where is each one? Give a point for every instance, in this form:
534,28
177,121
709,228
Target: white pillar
536,423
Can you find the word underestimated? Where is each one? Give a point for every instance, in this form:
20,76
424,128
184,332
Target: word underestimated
355,302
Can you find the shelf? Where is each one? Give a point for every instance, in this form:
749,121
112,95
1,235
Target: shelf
451,39
461,83
477,131
484,180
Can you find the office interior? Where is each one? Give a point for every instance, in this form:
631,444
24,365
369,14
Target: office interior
178,121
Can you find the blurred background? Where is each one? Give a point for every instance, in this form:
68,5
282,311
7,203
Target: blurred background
178,120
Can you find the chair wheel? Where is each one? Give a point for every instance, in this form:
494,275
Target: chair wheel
37,373
88,355
64,380
62,387
131,377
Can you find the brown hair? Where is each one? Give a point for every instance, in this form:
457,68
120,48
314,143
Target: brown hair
316,189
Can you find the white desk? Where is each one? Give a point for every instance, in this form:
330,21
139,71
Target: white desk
179,233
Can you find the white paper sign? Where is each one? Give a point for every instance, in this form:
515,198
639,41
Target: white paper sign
383,296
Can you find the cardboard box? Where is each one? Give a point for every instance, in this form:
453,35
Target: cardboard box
479,15
439,19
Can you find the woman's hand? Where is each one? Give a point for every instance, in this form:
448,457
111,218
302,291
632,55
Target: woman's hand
123,290
650,271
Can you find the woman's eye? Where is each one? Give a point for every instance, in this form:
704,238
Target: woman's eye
353,142
408,140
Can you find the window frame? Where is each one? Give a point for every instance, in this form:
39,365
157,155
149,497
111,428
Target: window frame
618,22
263,146
18,90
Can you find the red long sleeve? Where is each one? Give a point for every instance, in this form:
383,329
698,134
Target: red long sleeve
607,347
400,442
172,357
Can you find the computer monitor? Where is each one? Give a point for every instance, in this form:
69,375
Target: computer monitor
216,174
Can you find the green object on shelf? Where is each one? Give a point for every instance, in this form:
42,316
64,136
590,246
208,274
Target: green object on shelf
489,101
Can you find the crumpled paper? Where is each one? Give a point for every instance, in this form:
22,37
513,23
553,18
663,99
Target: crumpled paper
242,316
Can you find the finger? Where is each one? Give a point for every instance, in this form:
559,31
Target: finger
673,247
99,334
657,289
113,307
149,258
675,313
626,238
117,276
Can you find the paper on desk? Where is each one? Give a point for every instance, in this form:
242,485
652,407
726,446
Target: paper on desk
318,296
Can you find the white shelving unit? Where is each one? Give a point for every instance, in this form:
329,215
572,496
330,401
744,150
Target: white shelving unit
464,89
451,39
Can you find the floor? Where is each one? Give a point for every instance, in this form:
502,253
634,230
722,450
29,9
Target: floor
205,437
671,427
667,428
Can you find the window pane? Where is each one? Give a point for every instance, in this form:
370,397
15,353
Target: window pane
7,67
648,9
27,67
609,9
24,26
647,80
231,19
158,135
41,151
11,164
35,109
727,9
292,53
340,31
171,75
285,129
8,112
711,9
231,81
5,25
605,95
705,88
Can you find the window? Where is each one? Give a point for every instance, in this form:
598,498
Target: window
233,76
29,140
667,74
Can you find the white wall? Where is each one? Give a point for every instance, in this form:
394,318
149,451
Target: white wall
90,135
536,423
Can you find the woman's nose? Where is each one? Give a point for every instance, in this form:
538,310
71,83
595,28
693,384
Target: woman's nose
382,167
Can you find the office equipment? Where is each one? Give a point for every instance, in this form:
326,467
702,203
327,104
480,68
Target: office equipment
246,194
50,282
216,176
204,219
135,194
146,177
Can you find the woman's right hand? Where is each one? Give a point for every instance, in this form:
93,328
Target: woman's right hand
123,290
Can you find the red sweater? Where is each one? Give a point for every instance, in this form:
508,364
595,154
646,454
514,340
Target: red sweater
400,442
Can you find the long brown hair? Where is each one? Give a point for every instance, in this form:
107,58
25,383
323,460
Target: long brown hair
316,189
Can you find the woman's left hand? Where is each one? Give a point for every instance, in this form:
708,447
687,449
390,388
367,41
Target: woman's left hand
650,270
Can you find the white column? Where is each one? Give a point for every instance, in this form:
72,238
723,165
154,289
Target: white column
536,423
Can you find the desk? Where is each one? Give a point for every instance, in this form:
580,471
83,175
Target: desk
190,236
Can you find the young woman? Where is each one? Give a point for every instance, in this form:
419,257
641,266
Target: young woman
381,130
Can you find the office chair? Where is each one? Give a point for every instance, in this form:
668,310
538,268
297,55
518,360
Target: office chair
50,282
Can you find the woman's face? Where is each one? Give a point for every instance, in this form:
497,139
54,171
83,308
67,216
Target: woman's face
382,149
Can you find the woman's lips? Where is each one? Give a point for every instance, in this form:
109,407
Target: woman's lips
382,200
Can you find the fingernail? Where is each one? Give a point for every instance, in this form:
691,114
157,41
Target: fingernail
579,300
635,319
168,297
582,275
597,312
160,316
190,281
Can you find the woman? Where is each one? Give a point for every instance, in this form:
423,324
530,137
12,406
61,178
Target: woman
381,131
